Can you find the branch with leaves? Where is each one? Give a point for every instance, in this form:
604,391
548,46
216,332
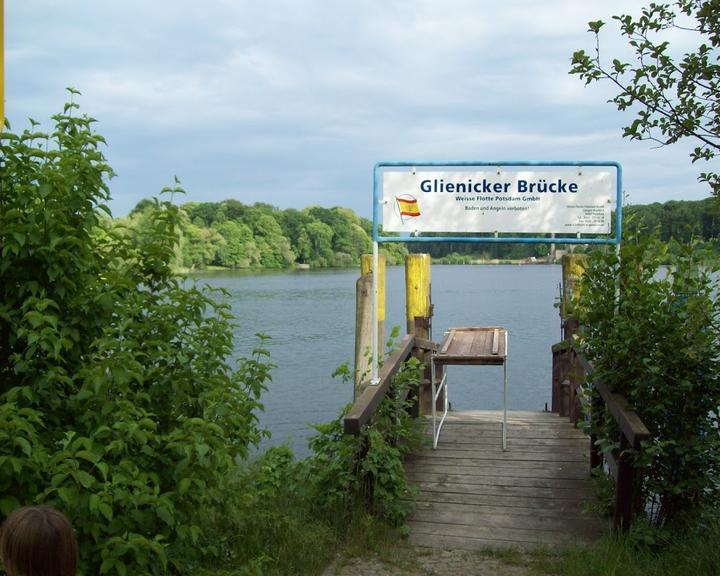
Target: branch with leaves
675,96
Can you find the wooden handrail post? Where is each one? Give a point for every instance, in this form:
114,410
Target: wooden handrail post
625,488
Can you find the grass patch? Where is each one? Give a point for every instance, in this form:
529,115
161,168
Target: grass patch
275,526
642,553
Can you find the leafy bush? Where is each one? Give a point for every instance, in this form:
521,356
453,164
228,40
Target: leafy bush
367,468
657,344
117,403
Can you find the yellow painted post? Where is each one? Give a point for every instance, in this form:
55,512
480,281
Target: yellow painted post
2,64
417,289
573,268
418,305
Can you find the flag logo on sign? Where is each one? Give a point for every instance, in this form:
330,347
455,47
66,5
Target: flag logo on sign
407,206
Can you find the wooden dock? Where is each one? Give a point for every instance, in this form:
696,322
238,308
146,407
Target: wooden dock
473,495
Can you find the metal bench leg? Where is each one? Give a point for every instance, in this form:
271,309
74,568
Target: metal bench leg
435,393
504,427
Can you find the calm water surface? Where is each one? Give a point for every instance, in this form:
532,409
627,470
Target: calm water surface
310,317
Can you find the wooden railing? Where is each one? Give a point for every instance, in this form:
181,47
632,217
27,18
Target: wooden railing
570,370
368,401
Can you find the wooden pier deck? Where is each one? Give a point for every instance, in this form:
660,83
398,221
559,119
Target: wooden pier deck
473,495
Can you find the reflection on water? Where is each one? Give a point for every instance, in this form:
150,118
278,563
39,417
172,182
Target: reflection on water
310,317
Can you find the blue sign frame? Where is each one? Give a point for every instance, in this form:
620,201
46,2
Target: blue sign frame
378,169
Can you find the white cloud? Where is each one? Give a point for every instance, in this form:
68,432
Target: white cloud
316,92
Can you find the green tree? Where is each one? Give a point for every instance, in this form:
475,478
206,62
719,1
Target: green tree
239,249
117,403
652,335
674,96
199,246
274,247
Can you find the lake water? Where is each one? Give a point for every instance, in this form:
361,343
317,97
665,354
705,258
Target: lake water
310,317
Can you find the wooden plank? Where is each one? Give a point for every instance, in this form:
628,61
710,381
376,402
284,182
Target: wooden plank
366,403
455,477
518,504
488,443
517,430
577,473
495,342
500,467
487,489
518,442
630,423
512,456
447,342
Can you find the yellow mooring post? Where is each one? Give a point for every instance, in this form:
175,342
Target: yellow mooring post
363,318
366,266
573,267
419,320
2,64
417,290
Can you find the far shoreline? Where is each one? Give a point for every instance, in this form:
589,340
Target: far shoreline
308,268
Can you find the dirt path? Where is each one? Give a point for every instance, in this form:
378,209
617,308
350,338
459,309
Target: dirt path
427,562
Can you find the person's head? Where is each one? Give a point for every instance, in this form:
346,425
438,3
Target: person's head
38,541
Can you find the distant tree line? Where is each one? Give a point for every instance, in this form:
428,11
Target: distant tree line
231,234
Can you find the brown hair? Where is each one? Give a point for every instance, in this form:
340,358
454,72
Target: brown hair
38,541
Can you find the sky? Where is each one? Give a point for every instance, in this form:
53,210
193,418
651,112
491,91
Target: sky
293,102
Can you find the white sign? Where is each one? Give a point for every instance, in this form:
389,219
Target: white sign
522,199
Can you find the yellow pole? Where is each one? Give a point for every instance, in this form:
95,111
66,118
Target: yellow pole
2,64
417,288
573,268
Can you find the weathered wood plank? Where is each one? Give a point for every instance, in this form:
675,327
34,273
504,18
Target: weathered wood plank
488,489
471,494
517,442
520,505
559,484
510,456
569,473
366,403
628,420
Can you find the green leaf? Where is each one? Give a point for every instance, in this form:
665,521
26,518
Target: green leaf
106,510
8,504
24,445
595,25
166,516
85,479
184,485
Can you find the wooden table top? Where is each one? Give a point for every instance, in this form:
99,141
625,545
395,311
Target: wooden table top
479,345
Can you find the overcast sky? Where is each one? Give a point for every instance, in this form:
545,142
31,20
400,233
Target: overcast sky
292,102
